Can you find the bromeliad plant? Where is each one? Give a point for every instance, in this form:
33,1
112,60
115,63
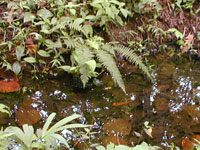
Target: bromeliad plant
45,138
142,146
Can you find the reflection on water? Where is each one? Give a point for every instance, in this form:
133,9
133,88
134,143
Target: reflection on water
170,104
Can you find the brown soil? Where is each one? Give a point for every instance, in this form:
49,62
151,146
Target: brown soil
182,20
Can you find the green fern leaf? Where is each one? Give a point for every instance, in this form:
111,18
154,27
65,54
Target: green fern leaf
108,61
70,43
84,70
84,53
133,58
76,25
109,48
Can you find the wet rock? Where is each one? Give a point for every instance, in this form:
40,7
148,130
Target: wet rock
27,115
161,104
138,115
114,139
194,112
166,71
28,102
163,87
158,133
107,80
118,126
195,128
130,88
3,118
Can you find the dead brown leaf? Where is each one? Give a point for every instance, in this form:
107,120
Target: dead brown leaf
31,47
189,42
10,16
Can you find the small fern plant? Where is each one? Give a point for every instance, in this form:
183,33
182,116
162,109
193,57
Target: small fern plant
87,55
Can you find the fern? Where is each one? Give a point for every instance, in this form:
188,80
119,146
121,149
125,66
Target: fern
133,58
70,43
75,26
109,48
84,54
87,71
108,61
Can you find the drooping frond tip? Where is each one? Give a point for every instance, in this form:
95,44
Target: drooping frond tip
133,58
108,61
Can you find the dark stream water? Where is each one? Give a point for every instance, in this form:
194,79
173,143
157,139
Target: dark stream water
171,104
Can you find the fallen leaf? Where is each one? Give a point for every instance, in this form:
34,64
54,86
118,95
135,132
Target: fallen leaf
190,39
121,103
31,47
187,144
9,83
189,42
9,86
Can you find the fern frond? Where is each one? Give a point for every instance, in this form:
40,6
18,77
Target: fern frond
109,48
85,53
70,43
133,58
108,61
84,70
76,27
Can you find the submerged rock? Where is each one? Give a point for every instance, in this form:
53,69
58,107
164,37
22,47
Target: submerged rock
114,139
118,126
27,115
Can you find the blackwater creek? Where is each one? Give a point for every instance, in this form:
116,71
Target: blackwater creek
171,104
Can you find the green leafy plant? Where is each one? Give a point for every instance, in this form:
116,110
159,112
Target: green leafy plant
144,7
196,144
5,109
184,4
142,146
5,139
178,35
108,11
62,30
91,53
45,138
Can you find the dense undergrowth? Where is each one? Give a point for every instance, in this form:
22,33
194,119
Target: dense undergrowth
86,38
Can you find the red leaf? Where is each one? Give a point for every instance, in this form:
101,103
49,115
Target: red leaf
9,86
9,83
